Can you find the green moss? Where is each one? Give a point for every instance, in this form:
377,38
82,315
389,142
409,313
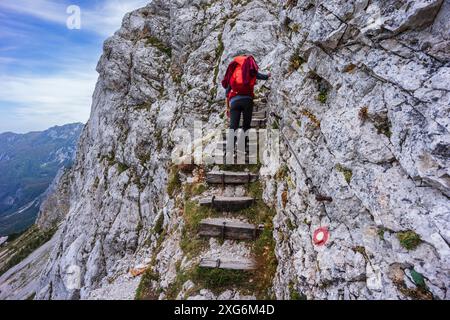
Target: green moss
282,173
159,139
161,46
144,290
174,183
122,167
110,158
409,239
143,106
345,171
294,294
219,52
381,232
322,97
96,183
158,228
144,158
290,225
295,61
383,127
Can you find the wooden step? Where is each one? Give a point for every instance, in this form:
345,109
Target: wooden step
244,264
227,203
229,229
223,144
230,177
258,123
259,114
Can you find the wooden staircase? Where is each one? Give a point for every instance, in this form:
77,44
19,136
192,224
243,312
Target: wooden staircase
226,228
229,177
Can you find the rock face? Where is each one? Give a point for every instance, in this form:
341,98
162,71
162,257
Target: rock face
363,92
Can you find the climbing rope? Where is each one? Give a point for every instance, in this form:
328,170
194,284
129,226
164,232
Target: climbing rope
321,234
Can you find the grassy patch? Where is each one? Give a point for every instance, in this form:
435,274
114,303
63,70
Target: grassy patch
26,244
175,287
409,239
311,117
255,189
219,279
363,114
295,61
159,225
282,173
122,167
219,51
381,232
161,46
144,290
190,243
174,183
159,139
290,4
383,127
294,294
323,96
290,225
264,251
345,171
143,106
194,189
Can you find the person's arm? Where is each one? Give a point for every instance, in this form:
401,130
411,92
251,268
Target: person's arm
228,89
262,76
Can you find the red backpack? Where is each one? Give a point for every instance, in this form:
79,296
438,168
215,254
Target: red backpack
238,87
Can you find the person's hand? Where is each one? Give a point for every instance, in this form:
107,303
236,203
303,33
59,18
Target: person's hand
269,74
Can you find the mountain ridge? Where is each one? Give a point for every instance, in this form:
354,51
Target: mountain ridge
29,162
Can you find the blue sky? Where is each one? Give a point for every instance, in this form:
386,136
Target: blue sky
47,71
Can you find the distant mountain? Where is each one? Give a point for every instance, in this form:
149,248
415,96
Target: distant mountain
28,164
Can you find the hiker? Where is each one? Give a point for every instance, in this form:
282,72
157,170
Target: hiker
239,82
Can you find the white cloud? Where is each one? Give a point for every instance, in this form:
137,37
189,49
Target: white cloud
102,19
39,102
36,101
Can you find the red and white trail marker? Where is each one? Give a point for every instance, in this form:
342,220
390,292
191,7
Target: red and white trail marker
321,236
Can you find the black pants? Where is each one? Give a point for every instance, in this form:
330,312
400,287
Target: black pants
244,107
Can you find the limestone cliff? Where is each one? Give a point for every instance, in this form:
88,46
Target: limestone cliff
362,88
